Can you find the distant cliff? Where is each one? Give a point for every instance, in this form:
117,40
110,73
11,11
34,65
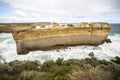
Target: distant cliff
94,33
11,27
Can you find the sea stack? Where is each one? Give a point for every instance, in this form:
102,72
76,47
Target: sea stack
94,33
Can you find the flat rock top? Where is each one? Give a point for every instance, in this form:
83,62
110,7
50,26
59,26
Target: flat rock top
82,28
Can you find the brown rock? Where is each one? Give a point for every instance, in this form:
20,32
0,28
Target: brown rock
108,41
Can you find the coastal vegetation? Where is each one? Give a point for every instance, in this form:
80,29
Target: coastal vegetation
73,69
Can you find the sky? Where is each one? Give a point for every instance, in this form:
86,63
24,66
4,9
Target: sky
61,11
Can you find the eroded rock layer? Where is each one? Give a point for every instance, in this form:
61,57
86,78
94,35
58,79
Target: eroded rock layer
94,33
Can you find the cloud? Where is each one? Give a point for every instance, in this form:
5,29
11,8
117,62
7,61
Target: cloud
20,13
62,10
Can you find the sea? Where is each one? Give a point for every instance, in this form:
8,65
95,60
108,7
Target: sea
105,51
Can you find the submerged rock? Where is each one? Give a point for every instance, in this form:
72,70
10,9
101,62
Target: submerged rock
94,33
108,41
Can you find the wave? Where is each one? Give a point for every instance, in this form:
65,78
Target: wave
105,51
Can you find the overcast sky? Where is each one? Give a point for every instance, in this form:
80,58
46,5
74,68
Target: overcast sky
62,11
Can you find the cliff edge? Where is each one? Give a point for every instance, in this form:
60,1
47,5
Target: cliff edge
94,33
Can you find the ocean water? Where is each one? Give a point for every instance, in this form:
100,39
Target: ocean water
105,51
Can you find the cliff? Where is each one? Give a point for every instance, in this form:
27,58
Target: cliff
11,27
94,33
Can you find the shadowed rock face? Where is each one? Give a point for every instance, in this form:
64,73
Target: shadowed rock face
94,33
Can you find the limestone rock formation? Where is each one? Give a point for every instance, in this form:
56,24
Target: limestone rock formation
94,33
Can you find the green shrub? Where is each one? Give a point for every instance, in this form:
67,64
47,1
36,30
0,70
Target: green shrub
91,54
72,69
47,66
59,61
59,73
5,68
115,69
104,62
71,62
116,60
25,65
28,75
41,76
4,76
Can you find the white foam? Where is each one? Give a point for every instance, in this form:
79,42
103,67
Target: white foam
5,35
104,51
